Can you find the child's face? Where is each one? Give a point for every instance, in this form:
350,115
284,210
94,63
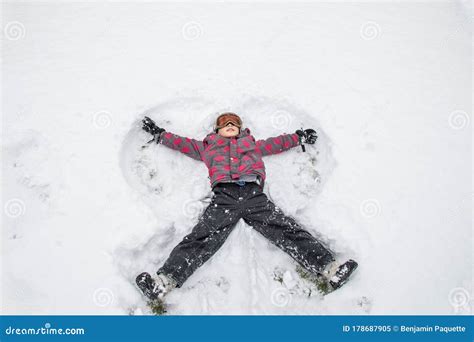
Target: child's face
228,131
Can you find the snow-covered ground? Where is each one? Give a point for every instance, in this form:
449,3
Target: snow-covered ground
389,183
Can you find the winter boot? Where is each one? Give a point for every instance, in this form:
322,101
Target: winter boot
338,274
155,288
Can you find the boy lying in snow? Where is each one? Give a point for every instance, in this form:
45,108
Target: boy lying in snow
237,175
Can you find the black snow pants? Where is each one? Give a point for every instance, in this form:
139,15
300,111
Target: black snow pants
229,204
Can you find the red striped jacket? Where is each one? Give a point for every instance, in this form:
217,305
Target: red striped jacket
227,159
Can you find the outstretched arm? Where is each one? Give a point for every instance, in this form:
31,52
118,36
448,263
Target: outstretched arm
284,142
275,145
190,147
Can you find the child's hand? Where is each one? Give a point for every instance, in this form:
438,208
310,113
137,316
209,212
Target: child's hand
308,136
150,127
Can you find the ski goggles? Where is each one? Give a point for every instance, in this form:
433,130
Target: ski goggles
226,118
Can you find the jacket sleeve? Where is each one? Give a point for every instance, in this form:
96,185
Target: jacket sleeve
275,145
190,147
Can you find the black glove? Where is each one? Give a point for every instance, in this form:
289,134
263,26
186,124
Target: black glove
308,136
150,127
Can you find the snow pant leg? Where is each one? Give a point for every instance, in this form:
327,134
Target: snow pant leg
209,234
287,234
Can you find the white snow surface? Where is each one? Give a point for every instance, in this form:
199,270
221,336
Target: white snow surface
389,182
